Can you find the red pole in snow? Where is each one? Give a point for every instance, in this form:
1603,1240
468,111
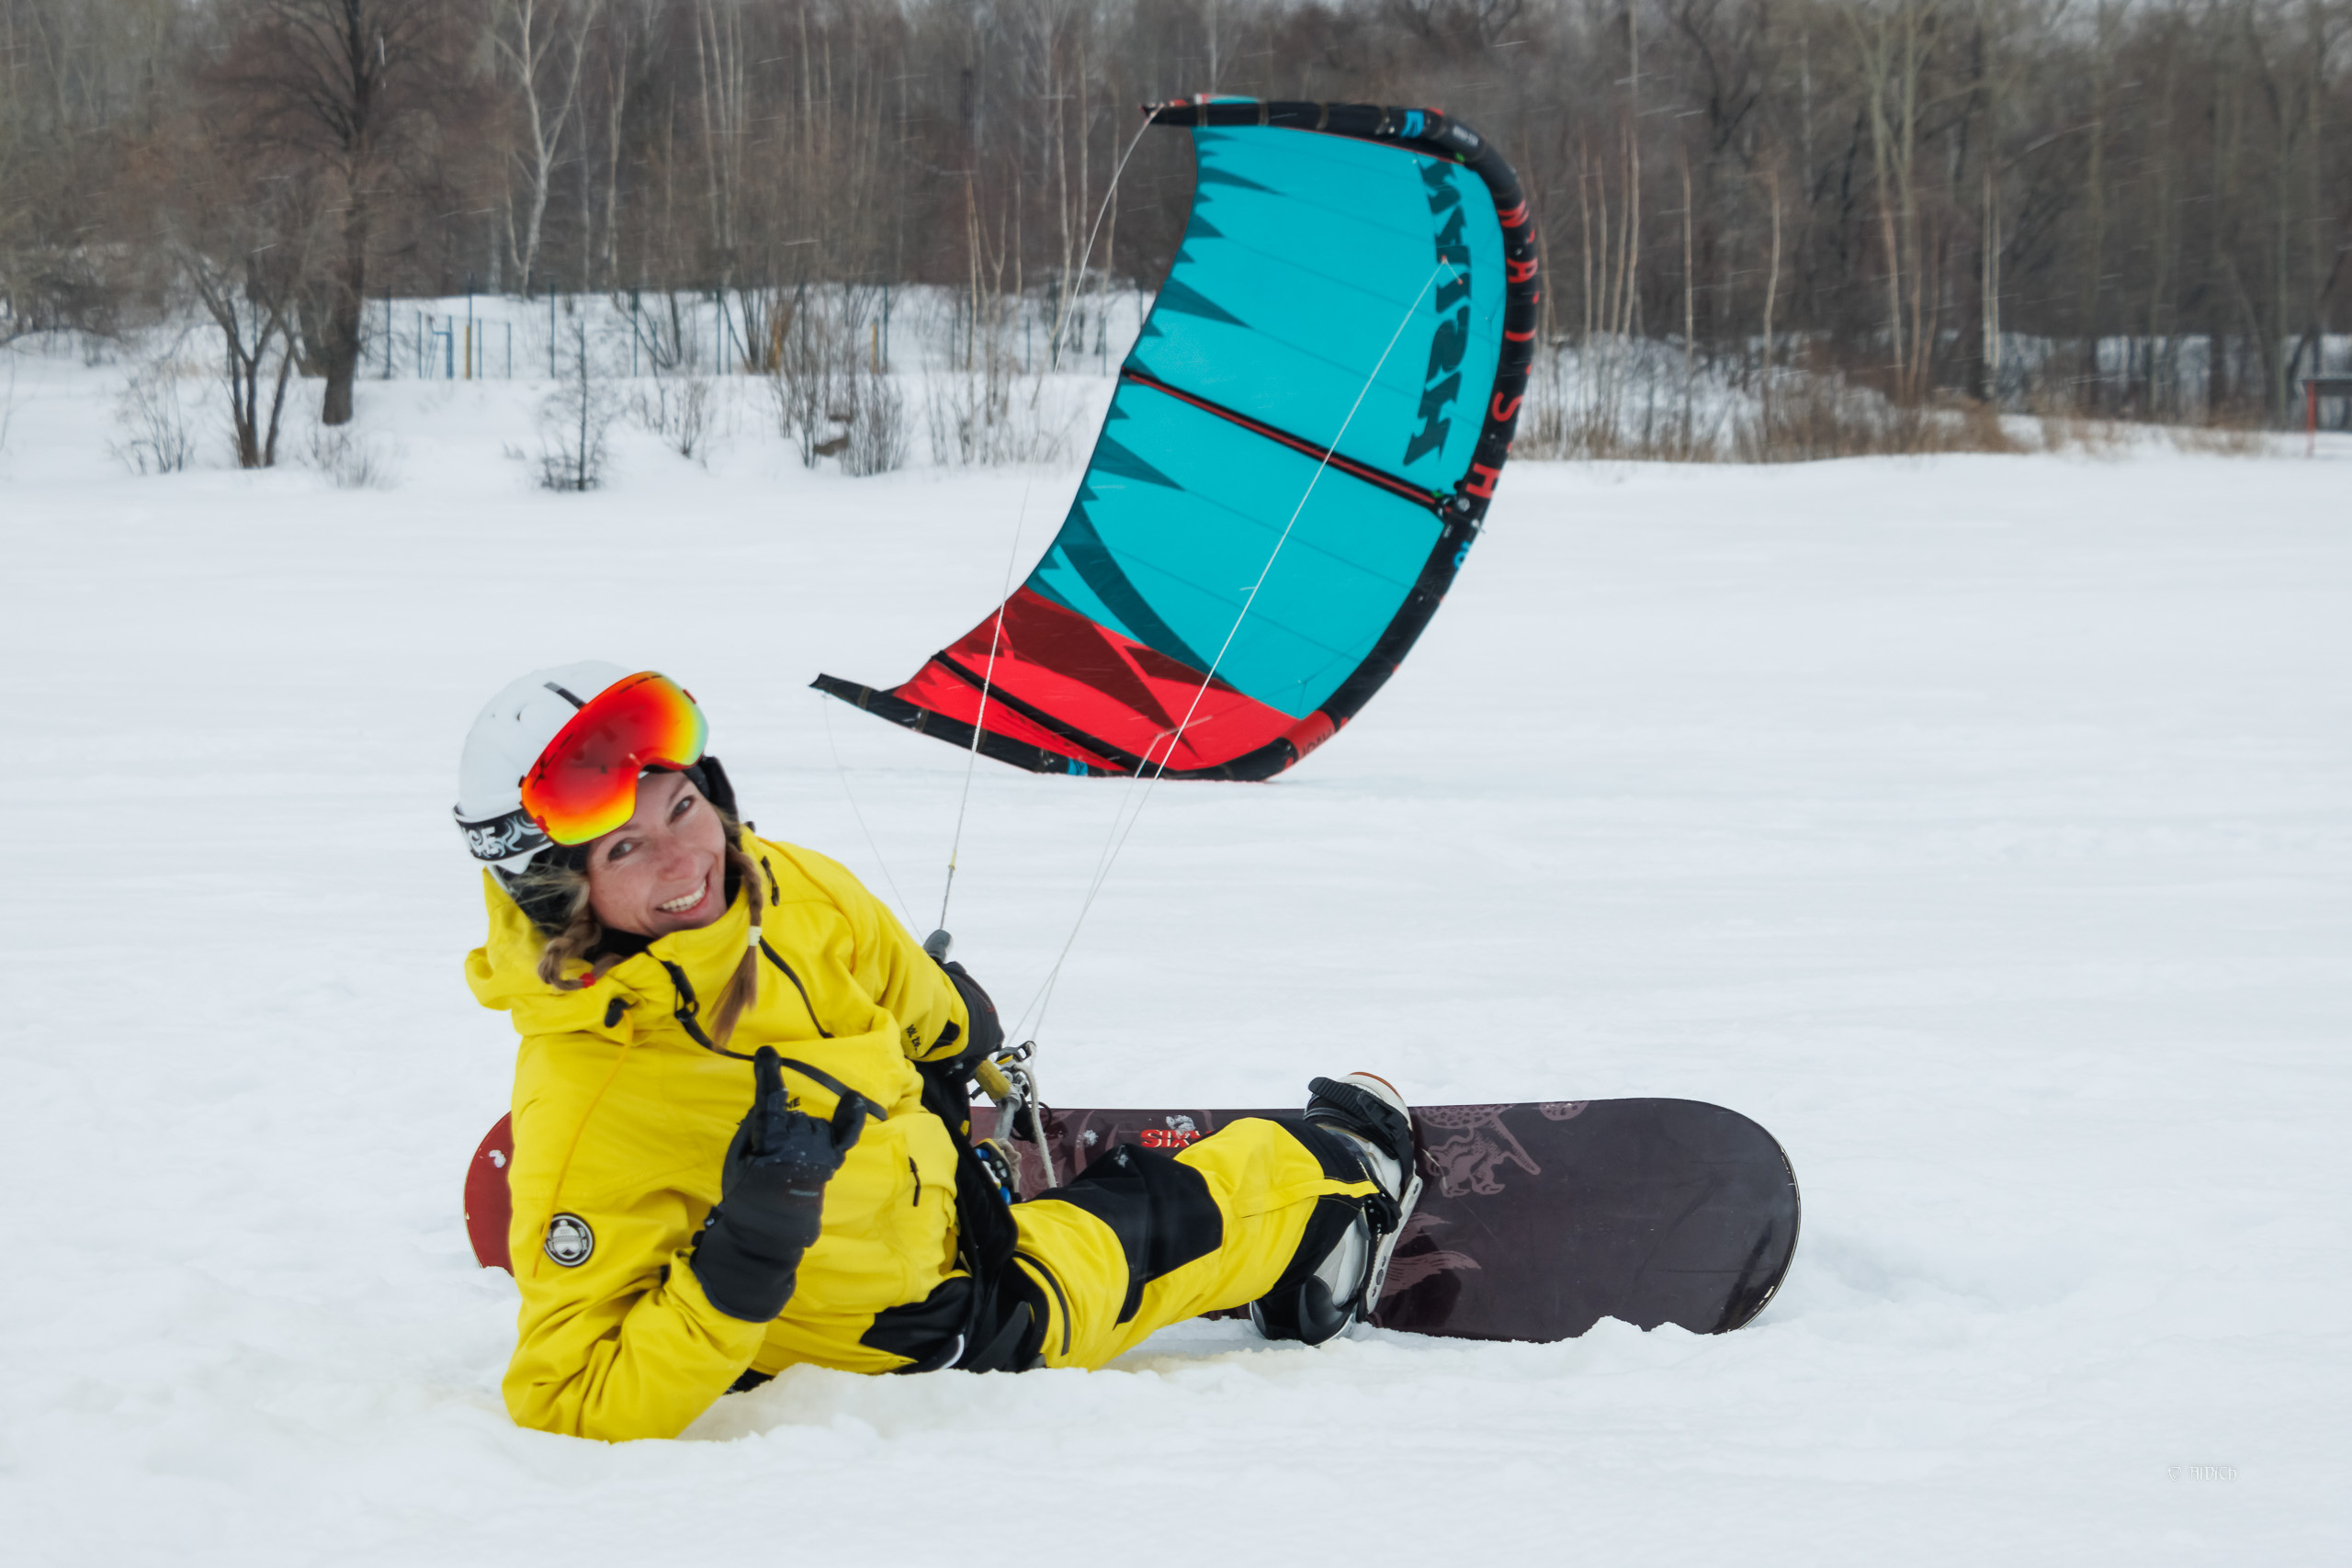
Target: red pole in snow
2314,388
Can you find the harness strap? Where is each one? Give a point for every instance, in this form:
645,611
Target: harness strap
690,1008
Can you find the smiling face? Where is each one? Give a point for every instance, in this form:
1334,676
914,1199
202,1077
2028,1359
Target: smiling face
664,869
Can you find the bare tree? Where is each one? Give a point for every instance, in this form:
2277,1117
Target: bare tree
541,45
320,81
2133,208
79,84
246,262
575,416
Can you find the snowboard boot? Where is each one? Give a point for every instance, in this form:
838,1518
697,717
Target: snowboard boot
1335,1278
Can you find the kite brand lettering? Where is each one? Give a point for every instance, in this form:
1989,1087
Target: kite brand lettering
1441,383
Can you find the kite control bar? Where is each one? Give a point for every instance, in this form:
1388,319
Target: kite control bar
1009,1079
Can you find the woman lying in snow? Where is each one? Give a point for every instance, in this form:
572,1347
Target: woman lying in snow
742,1111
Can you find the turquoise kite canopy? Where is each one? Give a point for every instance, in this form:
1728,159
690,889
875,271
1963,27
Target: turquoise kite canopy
1299,453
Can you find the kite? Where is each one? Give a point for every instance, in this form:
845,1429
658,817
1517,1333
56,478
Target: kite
1299,453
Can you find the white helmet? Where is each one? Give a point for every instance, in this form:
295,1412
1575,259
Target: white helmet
506,738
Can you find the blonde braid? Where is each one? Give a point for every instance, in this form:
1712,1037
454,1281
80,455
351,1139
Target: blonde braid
581,932
743,989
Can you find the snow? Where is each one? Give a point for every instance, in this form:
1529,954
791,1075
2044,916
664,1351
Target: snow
1980,826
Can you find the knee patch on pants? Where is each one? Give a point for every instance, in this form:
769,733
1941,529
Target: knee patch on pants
1159,1207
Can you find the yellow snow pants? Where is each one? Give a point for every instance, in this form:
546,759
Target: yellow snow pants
1140,1240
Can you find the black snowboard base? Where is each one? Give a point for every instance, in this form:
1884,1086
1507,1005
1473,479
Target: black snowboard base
1537,1220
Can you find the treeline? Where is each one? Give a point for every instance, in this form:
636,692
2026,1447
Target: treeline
2156,197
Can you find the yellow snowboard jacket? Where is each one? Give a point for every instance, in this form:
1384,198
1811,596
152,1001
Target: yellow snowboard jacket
622,1121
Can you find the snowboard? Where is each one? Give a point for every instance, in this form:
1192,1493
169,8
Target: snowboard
1535,1222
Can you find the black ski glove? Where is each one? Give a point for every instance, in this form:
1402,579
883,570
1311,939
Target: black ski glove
771,1197
987,1037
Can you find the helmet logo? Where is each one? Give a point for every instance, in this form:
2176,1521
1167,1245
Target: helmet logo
503,838
570,1241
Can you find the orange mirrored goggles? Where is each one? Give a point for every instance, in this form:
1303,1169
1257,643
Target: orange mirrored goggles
585,784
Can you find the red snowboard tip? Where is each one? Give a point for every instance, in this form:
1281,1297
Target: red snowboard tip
488,1207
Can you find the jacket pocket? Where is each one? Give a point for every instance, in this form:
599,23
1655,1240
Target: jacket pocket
921,1216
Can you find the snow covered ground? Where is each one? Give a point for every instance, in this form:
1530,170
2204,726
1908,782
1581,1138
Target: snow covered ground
1982,826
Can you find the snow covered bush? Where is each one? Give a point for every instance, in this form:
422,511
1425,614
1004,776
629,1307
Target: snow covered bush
676,409
573,418
990,415
351,461
157,437
876,434
1801,417
809,379
832,398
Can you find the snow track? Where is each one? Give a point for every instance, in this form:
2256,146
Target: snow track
1982,826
